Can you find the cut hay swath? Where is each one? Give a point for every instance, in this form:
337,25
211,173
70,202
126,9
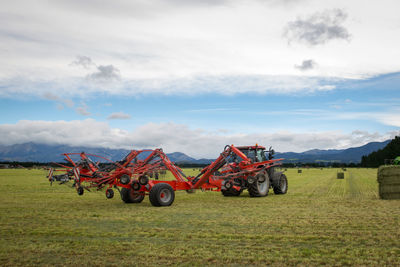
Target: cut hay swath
389,182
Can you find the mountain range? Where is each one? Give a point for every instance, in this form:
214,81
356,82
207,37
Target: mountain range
33,152
349,155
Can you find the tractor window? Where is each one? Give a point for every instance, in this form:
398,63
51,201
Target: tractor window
261,155
251,154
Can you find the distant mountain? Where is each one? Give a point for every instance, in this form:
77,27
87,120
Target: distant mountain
350,155
52,153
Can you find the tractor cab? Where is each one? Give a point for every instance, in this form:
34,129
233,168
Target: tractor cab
257,153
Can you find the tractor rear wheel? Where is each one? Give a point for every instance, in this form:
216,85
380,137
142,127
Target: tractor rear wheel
128,195
161,195
260,189
280,185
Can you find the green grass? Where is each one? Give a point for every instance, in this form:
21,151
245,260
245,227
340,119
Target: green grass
320,221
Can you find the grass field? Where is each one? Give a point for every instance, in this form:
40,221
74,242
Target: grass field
320,221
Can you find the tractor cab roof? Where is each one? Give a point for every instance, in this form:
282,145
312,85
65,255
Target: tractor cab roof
250,147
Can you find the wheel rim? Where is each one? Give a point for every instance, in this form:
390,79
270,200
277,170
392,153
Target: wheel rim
124,179
283,185
134,196
262,187
165,195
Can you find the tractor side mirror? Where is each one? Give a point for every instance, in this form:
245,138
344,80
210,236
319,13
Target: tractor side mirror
271,152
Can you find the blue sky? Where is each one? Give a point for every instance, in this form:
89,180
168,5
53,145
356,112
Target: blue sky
296,75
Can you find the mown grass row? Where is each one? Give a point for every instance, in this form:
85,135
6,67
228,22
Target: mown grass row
322,220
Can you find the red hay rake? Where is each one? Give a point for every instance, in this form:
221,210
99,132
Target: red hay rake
236,169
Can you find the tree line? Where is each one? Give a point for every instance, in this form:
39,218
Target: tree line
377,158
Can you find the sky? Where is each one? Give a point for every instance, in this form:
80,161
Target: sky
193,76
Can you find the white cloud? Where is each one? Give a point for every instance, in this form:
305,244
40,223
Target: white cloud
60,100
319,28
84,61
224,85
83,110
308,64
174,137
141,44
119,116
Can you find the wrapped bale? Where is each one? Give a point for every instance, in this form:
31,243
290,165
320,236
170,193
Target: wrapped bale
389,182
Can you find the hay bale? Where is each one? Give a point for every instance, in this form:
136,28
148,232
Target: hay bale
340,175
299,171
389,182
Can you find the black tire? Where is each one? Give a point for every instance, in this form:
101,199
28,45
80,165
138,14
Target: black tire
258,189
109,193
231,192
128,195
125,179
80,190
143,180
280,185
161,195
135,185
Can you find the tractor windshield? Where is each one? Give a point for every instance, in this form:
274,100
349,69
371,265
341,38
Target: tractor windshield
256,155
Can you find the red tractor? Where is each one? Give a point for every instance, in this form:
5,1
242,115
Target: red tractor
236,169
245,167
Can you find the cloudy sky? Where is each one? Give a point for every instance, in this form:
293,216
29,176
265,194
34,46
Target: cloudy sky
193,76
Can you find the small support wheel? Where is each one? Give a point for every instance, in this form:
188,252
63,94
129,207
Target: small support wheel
143,180
228,185
80,190
109,193
161,195
125,179
135,185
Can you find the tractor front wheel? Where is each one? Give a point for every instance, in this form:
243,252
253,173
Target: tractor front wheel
161,195
260,187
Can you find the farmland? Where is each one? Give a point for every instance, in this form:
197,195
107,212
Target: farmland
320,221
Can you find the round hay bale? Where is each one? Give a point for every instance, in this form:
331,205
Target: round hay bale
299,171
340,175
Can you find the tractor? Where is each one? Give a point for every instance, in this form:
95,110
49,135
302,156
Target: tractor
244,167
236,169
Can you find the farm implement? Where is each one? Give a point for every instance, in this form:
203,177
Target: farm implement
236,169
